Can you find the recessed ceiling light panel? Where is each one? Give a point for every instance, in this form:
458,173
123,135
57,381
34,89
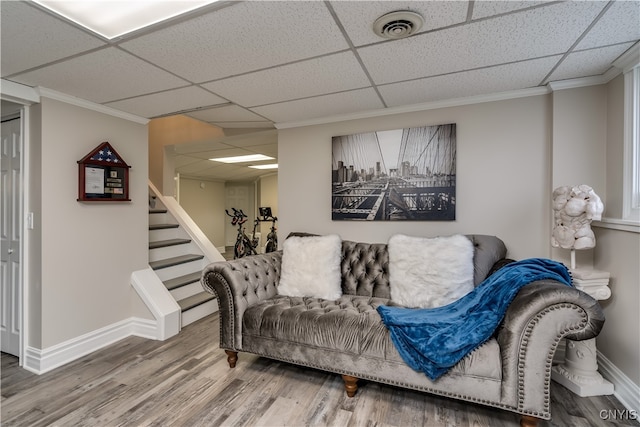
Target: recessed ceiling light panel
398,25
243,159
270,166
115,18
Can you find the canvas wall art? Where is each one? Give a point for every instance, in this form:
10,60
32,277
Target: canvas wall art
395,175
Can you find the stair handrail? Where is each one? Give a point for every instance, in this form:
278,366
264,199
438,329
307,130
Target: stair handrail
188,224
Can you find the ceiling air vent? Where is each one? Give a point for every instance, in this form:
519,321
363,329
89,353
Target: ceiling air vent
398,25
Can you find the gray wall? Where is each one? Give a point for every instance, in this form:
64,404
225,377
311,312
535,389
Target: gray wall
618,252
503,176
82,254
204,202
511,155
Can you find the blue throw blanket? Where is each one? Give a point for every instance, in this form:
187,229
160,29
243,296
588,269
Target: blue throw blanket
432,340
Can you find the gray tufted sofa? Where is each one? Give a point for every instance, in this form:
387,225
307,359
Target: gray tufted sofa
511,371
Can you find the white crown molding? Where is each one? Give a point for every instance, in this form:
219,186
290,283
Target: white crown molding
16,92
611,73
59,96
455,102
579,82
628,60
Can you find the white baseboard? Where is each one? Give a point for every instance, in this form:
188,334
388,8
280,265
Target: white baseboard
41,361
625,390
144,328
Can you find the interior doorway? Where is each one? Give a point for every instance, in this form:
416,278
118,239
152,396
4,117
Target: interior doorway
11,211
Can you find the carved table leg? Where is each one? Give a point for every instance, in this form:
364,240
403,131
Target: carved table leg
350,385
232,358
528,421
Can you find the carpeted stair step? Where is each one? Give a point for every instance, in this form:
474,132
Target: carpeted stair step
162,226
157,211
170,262
195,300
167,243
182,280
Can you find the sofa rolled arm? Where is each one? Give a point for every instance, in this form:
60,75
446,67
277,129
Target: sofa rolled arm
239,284
541,314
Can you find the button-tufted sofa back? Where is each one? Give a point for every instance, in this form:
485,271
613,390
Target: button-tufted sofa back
365,266
365,269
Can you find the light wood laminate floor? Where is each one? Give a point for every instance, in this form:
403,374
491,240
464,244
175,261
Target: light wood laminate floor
185,381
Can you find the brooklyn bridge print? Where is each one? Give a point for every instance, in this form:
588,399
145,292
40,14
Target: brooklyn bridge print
402,174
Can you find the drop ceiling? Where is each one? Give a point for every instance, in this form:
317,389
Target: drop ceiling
260,64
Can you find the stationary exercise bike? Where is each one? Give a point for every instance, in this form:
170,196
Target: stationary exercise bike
244,245
272,237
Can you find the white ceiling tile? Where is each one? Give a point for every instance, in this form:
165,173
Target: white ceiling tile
519,36
27,41
333,73
183,161
231,113
255,138
194,149
358,17
102,76
235,152
588,62
620,23
469,83
270,150
199,167
289,61
243,173
171,101
484,8
322,106
268,139
214,154
244,37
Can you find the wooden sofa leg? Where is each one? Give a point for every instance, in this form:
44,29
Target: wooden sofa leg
232,358
528,421
350,385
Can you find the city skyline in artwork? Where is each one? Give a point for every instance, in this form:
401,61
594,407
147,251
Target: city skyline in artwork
401,174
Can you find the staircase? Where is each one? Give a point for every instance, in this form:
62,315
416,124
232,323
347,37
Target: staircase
178,262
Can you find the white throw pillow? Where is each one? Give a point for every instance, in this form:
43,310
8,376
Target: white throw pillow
311,267
429,272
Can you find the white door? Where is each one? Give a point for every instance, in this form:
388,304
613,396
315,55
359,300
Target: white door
10,232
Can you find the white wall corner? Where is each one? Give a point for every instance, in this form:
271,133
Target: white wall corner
579,82
160,302
625,390
42,361
144,328
629,59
